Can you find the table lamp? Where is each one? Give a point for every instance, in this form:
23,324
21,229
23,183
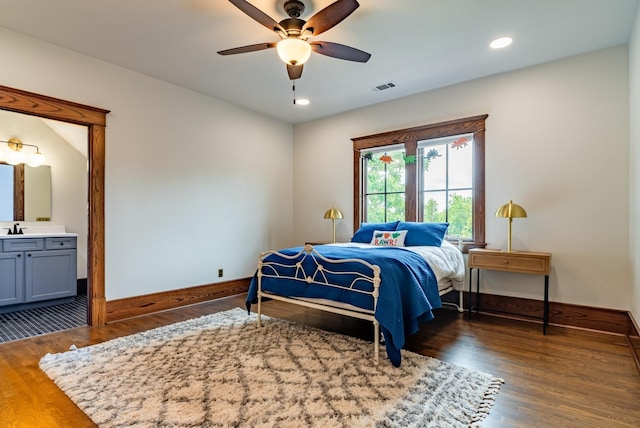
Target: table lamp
333,213
510,211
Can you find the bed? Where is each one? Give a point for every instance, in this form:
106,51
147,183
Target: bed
395,286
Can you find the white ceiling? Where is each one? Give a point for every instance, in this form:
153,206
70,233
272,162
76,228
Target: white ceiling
417,44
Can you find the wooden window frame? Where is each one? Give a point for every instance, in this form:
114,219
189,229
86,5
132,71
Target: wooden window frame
409,137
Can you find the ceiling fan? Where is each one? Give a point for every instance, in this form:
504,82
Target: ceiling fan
294,48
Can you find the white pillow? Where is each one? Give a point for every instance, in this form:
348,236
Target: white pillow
388,238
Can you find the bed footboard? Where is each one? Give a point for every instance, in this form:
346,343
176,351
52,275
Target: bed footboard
310,267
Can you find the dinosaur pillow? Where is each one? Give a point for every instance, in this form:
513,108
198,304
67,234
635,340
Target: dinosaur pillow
365,233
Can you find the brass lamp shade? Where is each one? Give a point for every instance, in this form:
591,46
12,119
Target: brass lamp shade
510,211
333,213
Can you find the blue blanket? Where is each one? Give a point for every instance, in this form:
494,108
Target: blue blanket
408,289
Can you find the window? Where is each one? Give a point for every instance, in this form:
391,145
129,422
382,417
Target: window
443,170
384,186
445,183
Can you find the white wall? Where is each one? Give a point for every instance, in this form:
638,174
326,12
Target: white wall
634,195
69,178
556,143
192,183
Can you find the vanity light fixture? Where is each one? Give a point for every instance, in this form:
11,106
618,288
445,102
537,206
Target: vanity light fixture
17,156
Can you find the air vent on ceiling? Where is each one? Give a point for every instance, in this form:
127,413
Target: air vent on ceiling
383,87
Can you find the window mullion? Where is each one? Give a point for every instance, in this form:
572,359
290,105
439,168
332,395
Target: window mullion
411,182
447,190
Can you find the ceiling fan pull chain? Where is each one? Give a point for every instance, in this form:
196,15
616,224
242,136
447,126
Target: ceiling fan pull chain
294,92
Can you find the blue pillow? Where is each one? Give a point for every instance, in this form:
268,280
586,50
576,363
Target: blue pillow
420,234
364,235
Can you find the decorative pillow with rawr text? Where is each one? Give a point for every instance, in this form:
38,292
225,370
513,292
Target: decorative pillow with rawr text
364,235
392,238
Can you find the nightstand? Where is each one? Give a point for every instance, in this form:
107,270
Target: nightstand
528,262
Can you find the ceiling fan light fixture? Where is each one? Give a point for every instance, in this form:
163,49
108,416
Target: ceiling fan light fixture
293,51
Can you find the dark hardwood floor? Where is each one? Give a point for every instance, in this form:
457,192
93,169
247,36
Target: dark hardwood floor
568,378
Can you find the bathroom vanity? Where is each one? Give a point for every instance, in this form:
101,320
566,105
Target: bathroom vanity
37,270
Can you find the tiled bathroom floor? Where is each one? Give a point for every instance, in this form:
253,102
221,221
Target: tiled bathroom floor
33,322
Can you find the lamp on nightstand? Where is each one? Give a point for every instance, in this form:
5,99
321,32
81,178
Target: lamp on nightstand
510,211
333,214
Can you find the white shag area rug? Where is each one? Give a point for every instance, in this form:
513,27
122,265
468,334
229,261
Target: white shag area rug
222,370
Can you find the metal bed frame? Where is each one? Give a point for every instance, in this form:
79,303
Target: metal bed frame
321,267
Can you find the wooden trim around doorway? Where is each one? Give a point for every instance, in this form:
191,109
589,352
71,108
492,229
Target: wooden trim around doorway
95,119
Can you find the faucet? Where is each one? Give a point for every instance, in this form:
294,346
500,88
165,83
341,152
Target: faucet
16,230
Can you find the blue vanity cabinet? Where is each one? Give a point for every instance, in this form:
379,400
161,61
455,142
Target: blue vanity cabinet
12,270
37,269
51,274
11,278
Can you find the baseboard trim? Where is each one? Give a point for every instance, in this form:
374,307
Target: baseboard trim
136,306
82,285
563,314
634,323
633,340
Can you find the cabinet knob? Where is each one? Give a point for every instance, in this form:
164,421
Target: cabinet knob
29,255
62,243
19,255
506,262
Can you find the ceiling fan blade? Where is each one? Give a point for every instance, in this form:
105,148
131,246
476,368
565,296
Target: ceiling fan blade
258,15
330,16
295,71
339,51
248,48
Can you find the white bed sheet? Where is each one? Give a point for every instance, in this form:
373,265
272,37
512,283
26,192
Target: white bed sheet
446,262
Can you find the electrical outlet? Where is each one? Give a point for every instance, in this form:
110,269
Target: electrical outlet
220,273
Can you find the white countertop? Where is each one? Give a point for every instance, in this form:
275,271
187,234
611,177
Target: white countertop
35,231
38,235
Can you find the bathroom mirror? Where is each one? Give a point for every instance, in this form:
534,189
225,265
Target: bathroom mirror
25,193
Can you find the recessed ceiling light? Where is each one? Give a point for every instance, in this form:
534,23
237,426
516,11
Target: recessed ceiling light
302,102
501,42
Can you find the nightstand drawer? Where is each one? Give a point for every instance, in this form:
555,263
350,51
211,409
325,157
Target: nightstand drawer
511,262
